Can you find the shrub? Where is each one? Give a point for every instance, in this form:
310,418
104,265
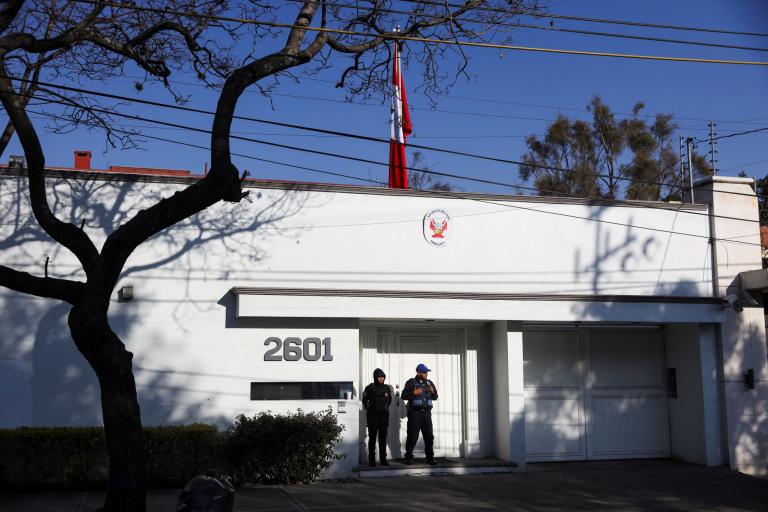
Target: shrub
56,457
175,454
76,457
273,449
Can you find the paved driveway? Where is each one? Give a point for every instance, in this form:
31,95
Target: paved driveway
630,486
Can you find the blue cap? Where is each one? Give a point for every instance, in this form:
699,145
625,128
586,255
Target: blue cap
422,368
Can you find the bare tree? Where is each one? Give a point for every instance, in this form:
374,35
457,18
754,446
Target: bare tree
421,176
48,40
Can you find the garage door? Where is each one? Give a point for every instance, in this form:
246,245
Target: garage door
595,394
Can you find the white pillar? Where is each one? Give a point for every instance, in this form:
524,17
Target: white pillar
509,392
734,221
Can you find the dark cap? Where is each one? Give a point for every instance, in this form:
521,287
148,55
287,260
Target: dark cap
378,372
422,368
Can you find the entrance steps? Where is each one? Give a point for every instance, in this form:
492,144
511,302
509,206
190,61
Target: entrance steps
445,466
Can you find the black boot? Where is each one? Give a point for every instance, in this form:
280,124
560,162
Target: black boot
383,461
408,460
372,461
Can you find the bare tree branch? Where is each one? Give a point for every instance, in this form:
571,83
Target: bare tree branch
47,287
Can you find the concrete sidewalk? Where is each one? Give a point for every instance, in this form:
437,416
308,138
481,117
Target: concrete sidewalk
627,486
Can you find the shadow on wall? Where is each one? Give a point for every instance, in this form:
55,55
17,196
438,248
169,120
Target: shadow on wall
746,409
627,255
43,378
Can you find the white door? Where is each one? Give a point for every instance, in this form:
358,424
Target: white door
595,394
555,423
626,395
398,352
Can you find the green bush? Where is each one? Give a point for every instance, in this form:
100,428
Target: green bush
265,449
176,454
274,449
76,457
56,457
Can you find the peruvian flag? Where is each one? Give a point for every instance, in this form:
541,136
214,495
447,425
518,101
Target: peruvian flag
400,127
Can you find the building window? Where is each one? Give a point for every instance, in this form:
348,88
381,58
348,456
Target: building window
301,390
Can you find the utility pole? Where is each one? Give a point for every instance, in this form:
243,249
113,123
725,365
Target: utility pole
713,147
682,166
689,147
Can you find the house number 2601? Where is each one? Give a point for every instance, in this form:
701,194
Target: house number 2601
294,349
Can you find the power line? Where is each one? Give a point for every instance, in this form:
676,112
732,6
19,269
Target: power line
398,37
337,133
537,14
737,134
343,134
748,164
384,164
487,100
556,29
506,205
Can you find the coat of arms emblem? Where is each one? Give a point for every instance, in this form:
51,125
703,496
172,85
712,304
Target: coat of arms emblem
436,227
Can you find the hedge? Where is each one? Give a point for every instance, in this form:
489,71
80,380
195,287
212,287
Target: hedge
264,449
273,449
76,457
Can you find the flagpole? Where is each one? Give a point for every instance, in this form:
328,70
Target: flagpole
400,124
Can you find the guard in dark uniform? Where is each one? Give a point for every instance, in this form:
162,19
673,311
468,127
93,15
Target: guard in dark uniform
376,399
420,392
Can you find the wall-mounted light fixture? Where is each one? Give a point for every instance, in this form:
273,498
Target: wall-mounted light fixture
125,293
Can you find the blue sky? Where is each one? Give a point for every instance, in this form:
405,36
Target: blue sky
512,94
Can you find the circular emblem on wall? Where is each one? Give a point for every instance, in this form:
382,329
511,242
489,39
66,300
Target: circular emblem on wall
437,227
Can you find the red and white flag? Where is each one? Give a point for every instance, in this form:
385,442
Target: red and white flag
400,127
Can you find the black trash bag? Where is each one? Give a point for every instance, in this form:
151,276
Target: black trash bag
207,494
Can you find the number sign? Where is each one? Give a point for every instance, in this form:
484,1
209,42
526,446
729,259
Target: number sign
294,349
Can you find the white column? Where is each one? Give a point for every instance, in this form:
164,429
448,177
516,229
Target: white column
711,396
509,392
734,207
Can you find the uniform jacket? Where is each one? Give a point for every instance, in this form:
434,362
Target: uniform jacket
377,397
427,396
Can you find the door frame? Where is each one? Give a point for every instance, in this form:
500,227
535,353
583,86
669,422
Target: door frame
372,337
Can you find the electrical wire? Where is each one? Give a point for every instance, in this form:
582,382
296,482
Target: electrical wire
506,205
469,21
503,102
537,14
343,134
386,164
398,37
737,134
478,114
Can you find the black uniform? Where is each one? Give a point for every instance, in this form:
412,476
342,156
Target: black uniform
419,416
376,400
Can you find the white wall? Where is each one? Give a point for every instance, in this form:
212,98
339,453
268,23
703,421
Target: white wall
480,393
320,238
686,411
194,361
742,334
509,394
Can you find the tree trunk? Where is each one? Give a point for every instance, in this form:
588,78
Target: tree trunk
126,488
5,137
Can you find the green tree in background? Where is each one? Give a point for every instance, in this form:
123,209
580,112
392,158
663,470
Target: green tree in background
605,158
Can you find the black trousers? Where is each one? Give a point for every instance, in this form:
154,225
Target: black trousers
419,420
378,423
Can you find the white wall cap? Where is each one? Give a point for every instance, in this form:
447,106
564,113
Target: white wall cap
723,179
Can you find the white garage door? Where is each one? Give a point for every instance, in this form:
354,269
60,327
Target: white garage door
595,394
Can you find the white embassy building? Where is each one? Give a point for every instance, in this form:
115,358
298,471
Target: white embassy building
556,329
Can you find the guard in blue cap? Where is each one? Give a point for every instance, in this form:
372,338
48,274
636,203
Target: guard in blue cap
420,392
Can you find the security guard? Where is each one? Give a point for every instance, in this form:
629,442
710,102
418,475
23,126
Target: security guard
420,393
376,399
